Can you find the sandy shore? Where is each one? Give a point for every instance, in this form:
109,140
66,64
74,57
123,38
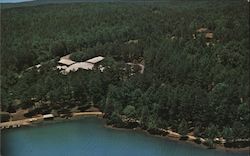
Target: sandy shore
40,118
19,123
88,114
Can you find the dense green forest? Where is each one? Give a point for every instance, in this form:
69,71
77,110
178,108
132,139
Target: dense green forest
190,81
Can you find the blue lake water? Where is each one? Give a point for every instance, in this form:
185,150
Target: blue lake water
89,137
14,1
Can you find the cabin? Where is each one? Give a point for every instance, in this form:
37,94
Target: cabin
207,33
202,30
48,117
132,42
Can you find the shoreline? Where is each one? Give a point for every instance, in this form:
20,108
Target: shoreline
217,147
81,115
40,118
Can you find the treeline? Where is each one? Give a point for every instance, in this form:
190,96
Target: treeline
190,82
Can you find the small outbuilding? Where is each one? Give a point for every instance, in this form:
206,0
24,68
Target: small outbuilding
202,30
209,35
132,41
48,117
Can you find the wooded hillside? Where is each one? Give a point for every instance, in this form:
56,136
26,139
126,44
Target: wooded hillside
193,77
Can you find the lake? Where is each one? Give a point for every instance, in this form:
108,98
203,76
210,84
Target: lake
14,1
89,137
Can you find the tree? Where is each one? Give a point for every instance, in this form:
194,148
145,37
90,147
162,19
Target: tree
183,127
115,120
11,109
212,131
227,133
239,131
58,48
152,123
184,78
197,131
244,113
129,111
4,116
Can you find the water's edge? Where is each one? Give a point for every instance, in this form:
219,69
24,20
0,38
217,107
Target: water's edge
137,130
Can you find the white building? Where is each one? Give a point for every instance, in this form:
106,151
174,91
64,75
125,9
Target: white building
95,60
79,65
66,62
48,116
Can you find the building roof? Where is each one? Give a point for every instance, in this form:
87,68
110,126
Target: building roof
101,68
61,67
38,66
66,61
209,35
95,59
81,65
201,30
48,116
132,41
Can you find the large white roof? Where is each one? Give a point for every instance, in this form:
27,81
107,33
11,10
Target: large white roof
66,61
82,65
95,59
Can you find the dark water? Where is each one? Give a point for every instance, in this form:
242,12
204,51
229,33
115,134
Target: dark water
89,137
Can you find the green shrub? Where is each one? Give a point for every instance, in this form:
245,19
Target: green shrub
209,143
197,141
5,116
129,111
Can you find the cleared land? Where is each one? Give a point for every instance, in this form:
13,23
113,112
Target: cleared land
39,118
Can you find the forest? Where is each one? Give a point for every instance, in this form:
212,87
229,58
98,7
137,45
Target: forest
196,58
